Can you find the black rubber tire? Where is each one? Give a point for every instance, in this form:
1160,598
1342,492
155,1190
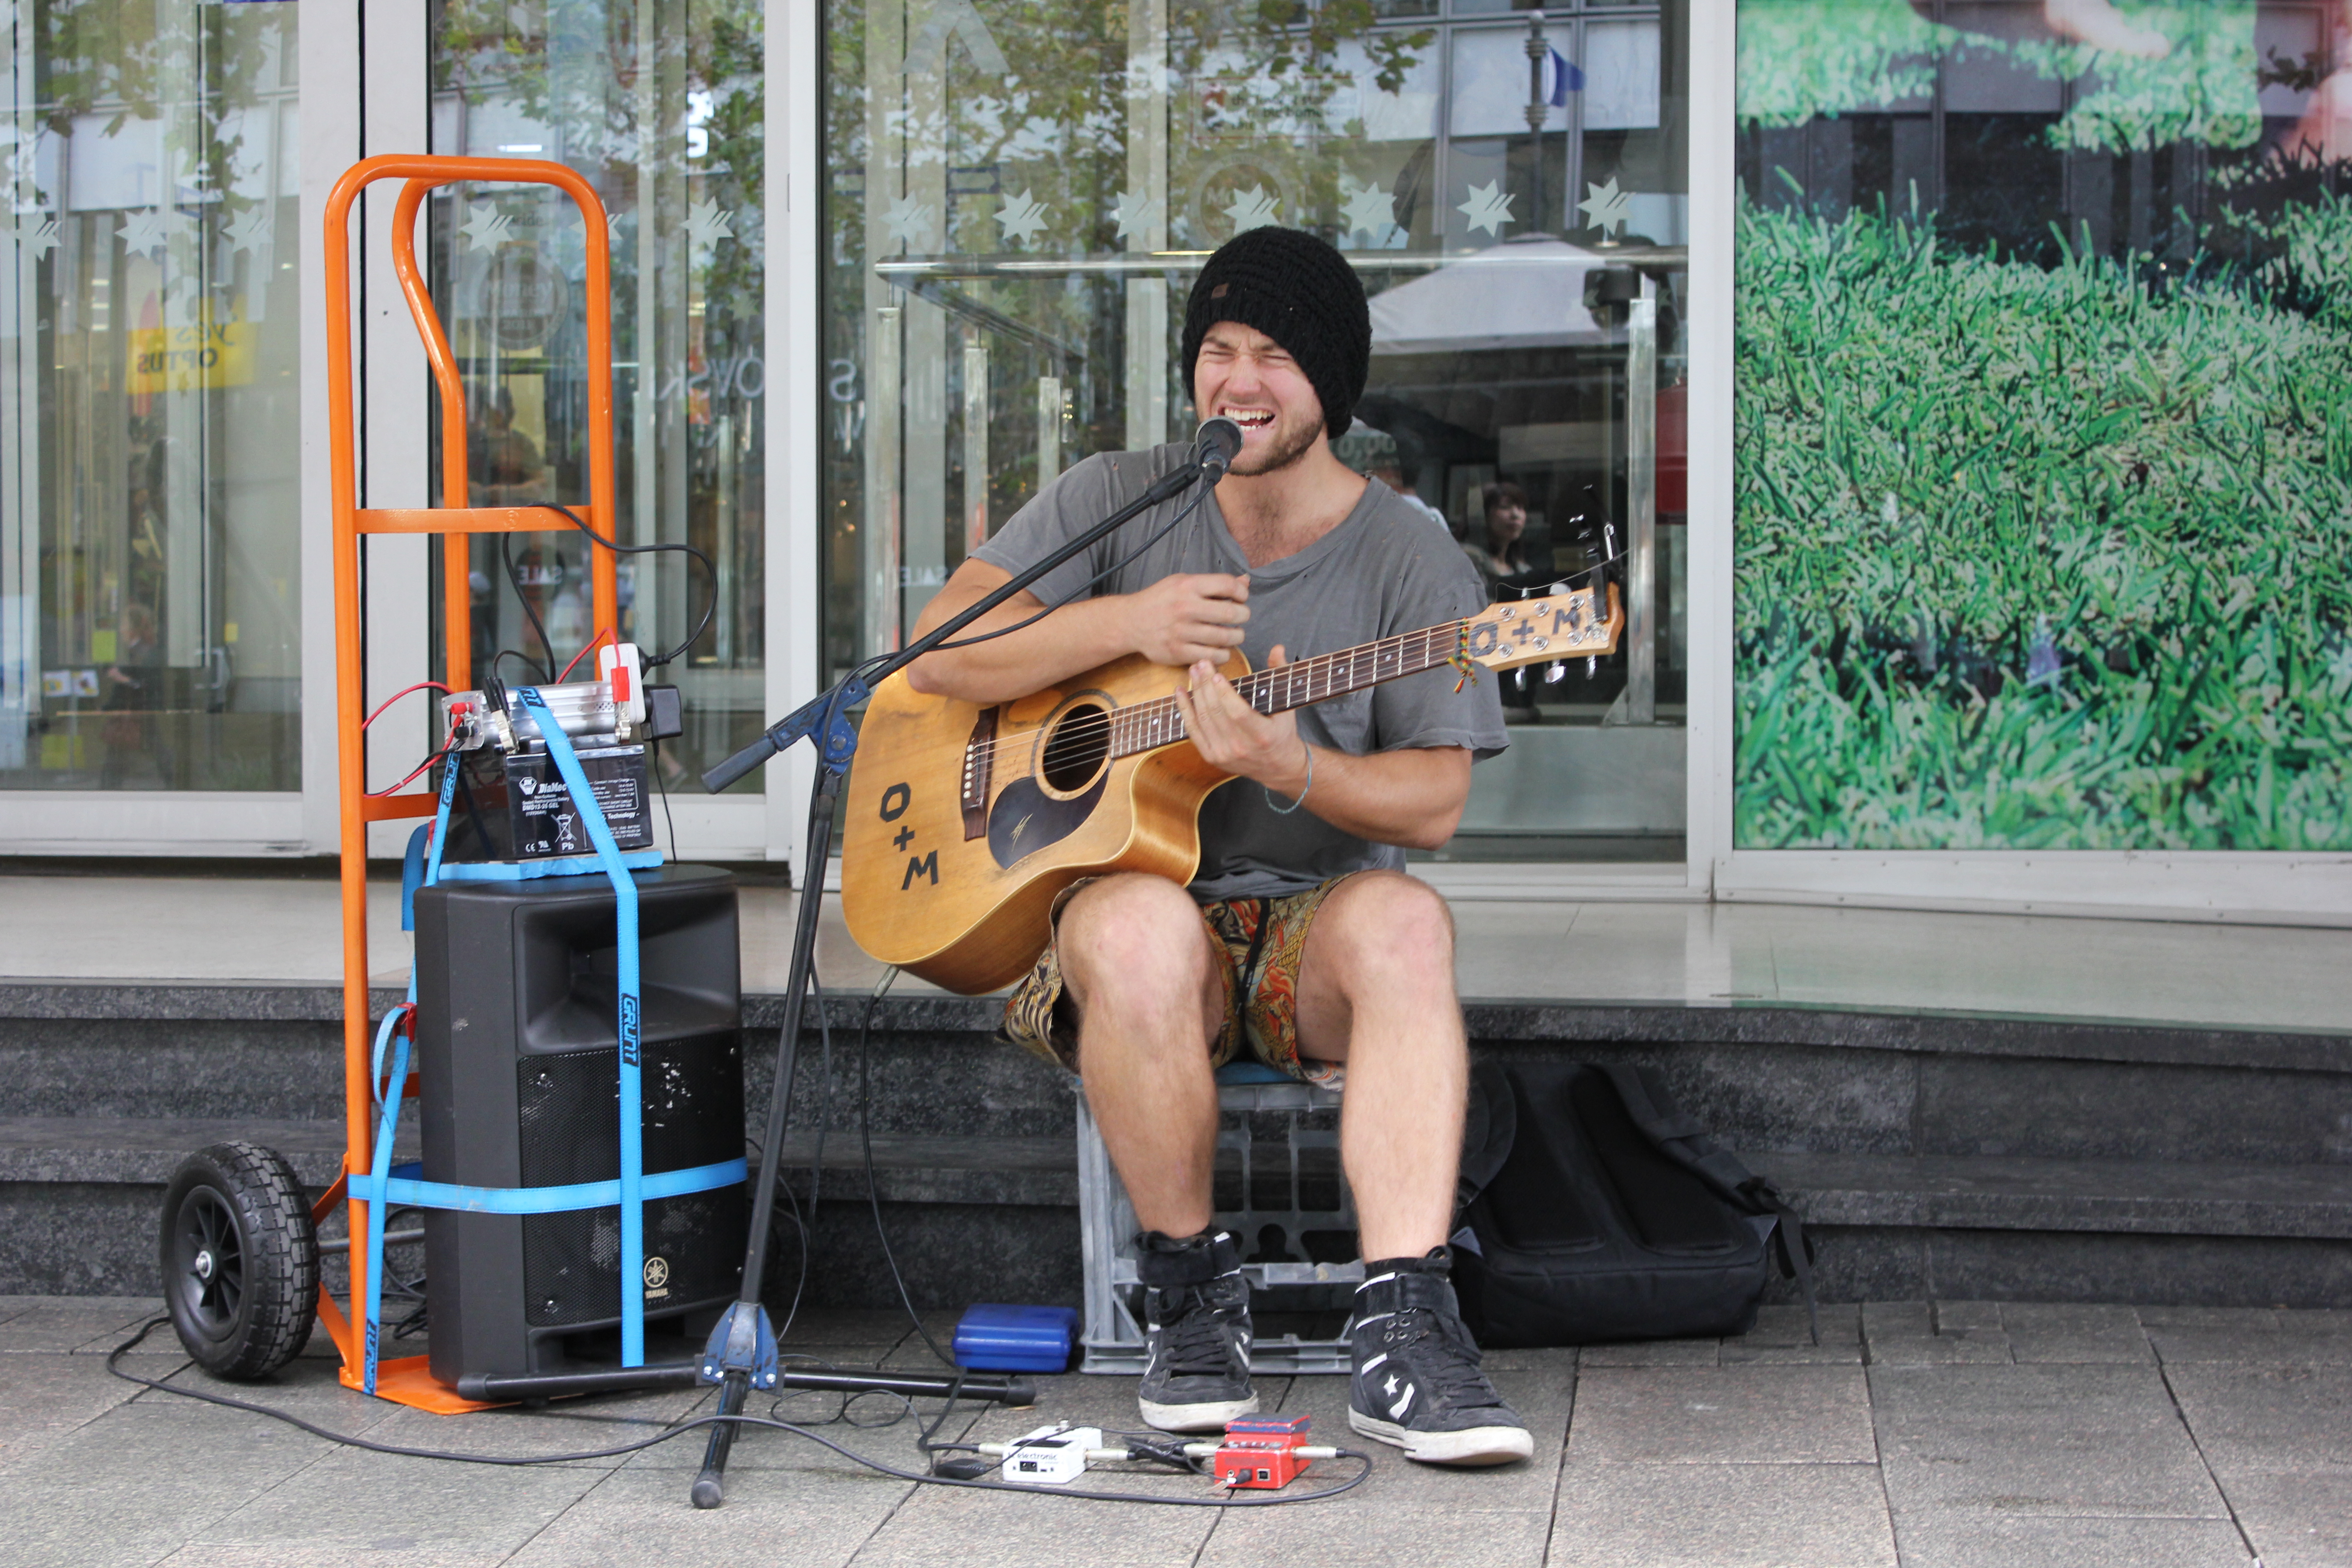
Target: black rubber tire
240,1260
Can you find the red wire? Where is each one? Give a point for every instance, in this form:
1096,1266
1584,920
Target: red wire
597,643
396,789
420,686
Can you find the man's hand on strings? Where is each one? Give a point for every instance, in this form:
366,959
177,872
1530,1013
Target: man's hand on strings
1189,617
1230,734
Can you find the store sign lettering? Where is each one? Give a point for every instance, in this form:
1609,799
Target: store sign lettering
202,356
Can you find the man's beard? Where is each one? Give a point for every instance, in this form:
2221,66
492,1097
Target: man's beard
1280,452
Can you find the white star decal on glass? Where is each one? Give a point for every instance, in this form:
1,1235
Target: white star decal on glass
1607,207
1135,215
909,221
486,228
35,233
706,223
1487,208
153,229
251,230
1021,218
1369,211
1252,208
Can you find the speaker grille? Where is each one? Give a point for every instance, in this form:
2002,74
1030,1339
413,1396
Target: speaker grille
567,1112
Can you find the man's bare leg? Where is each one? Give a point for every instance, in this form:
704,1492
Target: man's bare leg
1150,995
1376,991
1136,959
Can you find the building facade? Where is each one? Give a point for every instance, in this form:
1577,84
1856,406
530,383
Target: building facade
1954,383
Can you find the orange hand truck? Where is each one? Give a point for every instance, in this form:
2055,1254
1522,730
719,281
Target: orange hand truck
238,1251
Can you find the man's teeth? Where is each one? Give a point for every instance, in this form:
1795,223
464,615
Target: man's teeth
1250,419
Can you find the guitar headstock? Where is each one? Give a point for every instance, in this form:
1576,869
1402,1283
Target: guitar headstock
1567,622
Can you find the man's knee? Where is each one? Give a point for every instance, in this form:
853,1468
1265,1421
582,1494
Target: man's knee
1386,928
1133,939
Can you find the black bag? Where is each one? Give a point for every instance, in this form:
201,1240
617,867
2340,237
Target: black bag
1595,1210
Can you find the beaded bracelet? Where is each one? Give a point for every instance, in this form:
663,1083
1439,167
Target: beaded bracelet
1294,805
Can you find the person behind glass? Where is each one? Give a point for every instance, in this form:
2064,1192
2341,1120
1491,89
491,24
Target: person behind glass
1300,941
1500,555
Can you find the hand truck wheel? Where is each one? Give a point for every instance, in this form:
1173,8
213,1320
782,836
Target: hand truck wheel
240,1259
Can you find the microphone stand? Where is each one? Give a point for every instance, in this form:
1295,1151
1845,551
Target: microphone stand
742,1354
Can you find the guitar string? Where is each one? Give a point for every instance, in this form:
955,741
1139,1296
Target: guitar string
1251,686
1142,718
1139,717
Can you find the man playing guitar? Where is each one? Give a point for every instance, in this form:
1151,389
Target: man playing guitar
1300,939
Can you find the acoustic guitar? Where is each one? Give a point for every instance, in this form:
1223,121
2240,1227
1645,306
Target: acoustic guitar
963,821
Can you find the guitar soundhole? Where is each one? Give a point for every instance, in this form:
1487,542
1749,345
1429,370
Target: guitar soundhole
1075,750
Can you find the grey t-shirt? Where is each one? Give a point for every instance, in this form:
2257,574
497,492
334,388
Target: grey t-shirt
1381,572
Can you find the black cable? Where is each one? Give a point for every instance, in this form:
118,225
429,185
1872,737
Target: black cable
865,1137
662,785
514,579
679,1428
709,610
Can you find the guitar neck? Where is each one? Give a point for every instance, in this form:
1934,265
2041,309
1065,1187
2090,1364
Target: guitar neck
1148,726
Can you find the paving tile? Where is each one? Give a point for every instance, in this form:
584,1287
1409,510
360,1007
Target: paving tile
52,1323
1653,1353
392,1551
2314,1320
2251,1346
1912,1333
1970,1538
2093,1441
353,1501
1952,1317
2067,1332
2274,1419
1720,1516
45,1399
619,1521
1385,1534
2255,1318
143,1481
1783,1337
1745,1415
2301,1521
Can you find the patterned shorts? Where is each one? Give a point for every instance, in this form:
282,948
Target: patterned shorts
1263,940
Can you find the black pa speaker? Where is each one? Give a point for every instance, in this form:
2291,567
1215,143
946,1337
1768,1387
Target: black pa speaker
517,987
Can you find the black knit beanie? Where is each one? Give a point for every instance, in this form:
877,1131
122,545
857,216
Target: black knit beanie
1300,292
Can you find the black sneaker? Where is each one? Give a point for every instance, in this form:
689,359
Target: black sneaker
1417,1381
1196,1374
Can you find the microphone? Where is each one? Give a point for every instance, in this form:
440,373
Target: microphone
1216,446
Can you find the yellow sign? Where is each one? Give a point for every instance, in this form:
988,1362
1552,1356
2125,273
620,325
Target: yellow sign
200,356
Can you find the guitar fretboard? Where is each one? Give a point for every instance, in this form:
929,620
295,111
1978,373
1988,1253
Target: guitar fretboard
1148,726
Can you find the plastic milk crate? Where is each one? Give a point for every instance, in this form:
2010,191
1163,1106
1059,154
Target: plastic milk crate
1255,1097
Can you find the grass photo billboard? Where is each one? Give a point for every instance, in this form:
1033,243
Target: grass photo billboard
2044,452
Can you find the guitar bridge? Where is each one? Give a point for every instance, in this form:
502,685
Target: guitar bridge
979,770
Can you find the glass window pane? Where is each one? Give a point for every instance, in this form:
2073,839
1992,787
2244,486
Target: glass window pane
1019,198
150,519
660,104
1490,84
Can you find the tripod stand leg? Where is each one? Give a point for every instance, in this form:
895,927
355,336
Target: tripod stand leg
711,1486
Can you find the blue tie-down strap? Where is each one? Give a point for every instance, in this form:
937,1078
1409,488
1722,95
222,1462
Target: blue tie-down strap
625,902
404,1192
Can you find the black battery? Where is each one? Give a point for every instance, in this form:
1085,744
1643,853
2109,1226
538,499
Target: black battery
515,807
